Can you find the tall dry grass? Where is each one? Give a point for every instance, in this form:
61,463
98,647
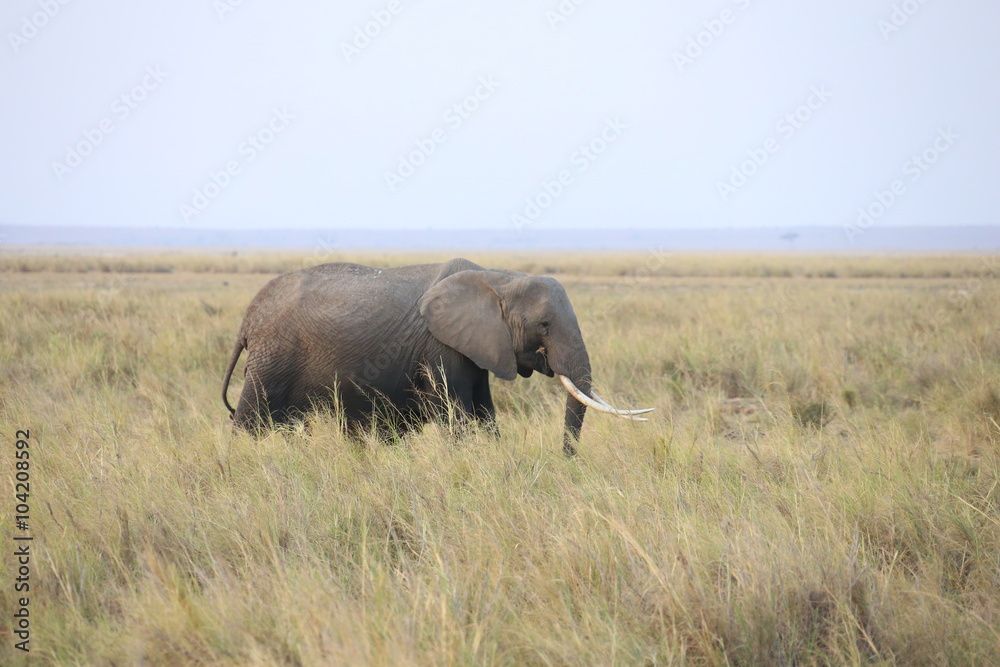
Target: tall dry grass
819,484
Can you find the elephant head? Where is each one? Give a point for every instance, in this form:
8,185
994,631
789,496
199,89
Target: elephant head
514,324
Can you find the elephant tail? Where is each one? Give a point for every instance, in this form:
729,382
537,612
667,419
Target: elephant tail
237,351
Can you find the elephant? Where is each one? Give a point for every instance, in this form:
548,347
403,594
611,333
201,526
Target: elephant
387,345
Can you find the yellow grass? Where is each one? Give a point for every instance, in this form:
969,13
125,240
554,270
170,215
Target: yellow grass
820,483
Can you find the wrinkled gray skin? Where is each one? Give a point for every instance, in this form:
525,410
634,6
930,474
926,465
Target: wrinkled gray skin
368,334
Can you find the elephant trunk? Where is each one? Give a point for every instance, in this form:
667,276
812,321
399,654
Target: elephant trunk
573,422
577,369
581,396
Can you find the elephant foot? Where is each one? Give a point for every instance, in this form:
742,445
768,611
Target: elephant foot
568,449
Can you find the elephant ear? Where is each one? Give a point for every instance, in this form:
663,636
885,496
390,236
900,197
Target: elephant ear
463,311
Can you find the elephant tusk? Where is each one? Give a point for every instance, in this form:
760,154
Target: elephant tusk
599,404
628,412
580,396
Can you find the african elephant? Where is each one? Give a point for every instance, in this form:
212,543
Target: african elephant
383,342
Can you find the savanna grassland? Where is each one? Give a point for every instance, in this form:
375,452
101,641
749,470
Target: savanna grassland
820,482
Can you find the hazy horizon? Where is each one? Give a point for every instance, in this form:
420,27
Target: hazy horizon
322,242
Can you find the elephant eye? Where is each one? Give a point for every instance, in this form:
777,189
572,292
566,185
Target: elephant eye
545,324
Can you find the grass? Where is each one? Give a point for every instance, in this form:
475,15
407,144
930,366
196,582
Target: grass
820,485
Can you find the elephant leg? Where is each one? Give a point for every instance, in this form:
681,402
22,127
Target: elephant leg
252,406
461,411
441,395
386,431
483,410
390,421
263,401
575,411
455,408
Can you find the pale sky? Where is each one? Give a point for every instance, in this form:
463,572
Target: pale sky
537,114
